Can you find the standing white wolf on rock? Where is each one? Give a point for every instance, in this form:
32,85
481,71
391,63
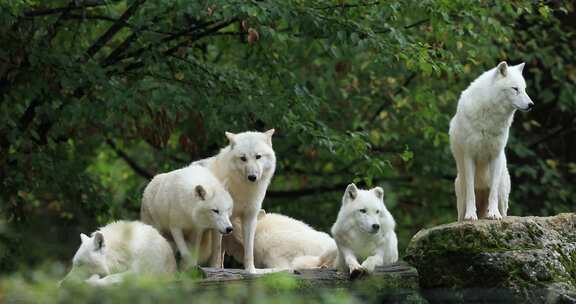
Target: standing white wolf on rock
189,204
246,166
363,230
478,136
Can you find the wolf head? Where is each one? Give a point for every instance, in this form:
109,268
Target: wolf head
511,87
90,259
213,208
252,156
366,208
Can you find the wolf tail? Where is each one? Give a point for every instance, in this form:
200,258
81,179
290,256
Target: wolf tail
326,260
306,262
329,258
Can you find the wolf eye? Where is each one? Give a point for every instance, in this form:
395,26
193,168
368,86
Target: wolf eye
216,211
362,210
258,156
515,90
377,211
243,158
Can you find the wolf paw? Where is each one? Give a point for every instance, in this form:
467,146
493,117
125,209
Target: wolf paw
94,280
357,273
369,265
269,270
493,215
471,216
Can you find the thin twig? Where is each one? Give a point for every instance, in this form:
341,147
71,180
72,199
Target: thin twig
57,10
98,44
131,162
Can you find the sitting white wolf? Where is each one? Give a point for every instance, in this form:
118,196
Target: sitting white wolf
364,230
281,242
246,165
189,204
120,249
478,136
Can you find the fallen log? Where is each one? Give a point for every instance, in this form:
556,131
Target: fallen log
396,276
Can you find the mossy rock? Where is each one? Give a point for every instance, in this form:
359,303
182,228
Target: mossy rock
534,257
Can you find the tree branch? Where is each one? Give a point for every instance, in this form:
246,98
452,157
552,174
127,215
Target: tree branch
559,131
132,163
194,38
161,42
409,26
114,28
344,5
120,49
383,105
73,6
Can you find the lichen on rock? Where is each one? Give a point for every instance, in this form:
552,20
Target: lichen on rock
534,257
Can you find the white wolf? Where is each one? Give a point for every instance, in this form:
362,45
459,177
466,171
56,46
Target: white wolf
364,230
478,136
246,165
281,242
120,249
185,204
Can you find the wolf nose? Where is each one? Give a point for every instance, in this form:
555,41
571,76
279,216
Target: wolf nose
252,177
375,227
530,106
229,229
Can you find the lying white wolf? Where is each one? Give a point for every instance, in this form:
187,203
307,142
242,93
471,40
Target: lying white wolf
281,242
186,203
364,230
478,136
246,165
120,249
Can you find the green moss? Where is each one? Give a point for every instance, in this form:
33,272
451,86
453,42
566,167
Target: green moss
568,261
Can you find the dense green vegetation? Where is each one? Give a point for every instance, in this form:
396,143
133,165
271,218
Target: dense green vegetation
97,96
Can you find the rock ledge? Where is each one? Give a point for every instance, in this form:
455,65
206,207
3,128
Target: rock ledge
534,257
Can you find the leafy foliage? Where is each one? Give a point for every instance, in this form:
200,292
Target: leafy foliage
98,96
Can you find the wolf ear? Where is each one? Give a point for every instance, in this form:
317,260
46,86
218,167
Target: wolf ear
98,241
502,69
269,134
351,192
521,66
84,238
200,192
231,138
379,192
261,213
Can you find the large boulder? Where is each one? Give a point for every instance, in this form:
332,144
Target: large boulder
534,258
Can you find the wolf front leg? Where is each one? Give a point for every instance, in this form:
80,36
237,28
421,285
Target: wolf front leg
182,247
386,254
216,254
469,173
248,231
459,189
496,168
504,192
112,279
354,268
196,238
371,262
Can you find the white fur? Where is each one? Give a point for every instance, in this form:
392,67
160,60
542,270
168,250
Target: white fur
249,155
119,249
364,230
281,242
189,203
478,136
